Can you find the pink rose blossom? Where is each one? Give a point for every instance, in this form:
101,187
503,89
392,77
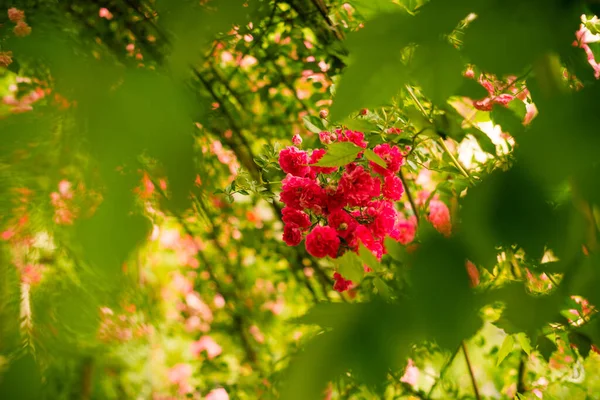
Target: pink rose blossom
392,157
343,223
439,216
392,188
322,241
358,138
341,284
292,234
293,216
294,161
358,186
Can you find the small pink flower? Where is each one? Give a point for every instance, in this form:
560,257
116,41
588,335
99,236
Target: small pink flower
327,137
341,284
296,140
358,138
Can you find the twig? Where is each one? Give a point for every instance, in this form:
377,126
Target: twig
471,374
443,371
442,143
409,195
455,161
521,374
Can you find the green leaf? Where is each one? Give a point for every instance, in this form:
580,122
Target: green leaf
378,334
507,118
484,140
524,342
339,154
506,348
438,80
370,8
546,347
582,342
314,124
438,273
368,258
395,250
524,312
372,156
350,266
359,124
22,380
506,208
381,286
388,74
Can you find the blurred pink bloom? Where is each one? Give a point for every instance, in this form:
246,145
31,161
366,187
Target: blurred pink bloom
64,188
248,61
182,284
196,304
193,323
31,274
169,238
257,334
217,394
15,15
411,374
584,36
104,13
7,234
22,29
219,301
179,375
275,307
206,343
155,232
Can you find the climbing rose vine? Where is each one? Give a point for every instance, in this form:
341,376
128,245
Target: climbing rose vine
334,206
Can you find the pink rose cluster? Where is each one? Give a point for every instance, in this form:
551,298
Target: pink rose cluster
334,209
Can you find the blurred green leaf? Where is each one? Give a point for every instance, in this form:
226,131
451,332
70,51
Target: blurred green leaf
439,80
22,380
524,342
368,258
350,266
506,348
